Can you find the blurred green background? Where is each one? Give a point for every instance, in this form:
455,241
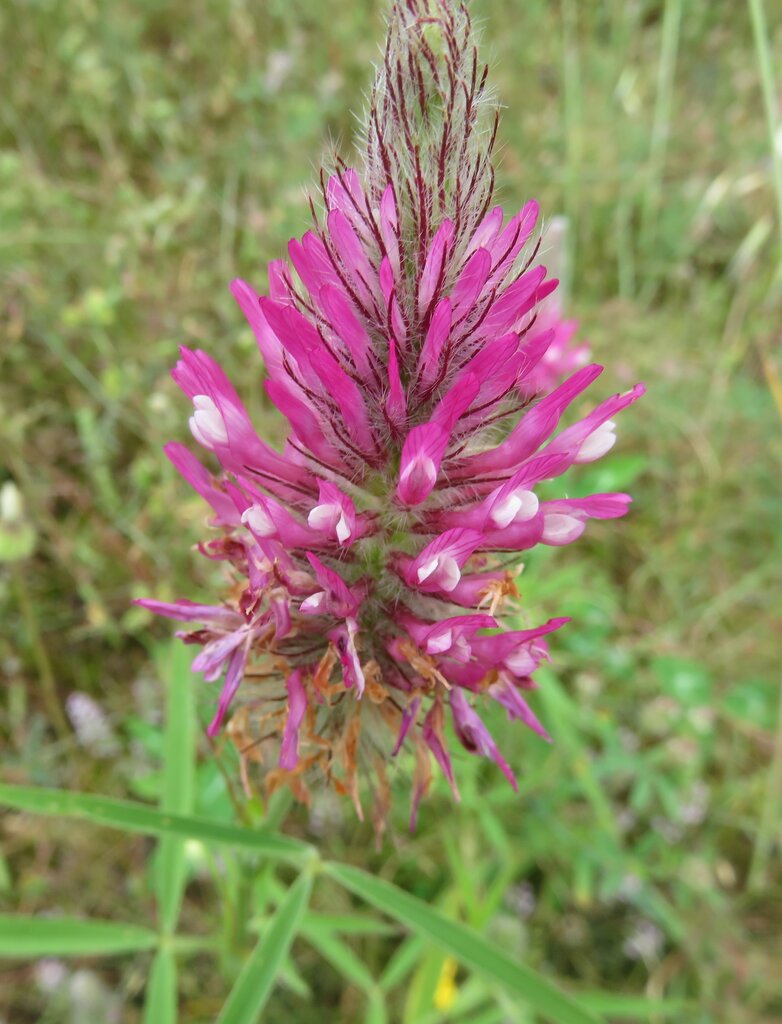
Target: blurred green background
151,151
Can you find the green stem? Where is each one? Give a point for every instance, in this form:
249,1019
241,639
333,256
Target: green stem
666,70
768,826
571,75
763,50
49,693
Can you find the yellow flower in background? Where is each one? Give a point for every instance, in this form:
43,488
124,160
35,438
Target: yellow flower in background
447,989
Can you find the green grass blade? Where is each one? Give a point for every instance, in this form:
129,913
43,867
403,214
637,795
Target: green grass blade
131,816
25,938
160,1005
402,961
256,981
765,61
178,783
470,948
561,709
349,924
341,957
661,124
635,1007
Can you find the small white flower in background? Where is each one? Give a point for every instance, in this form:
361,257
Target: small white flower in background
325,813
50,974
278,67
626,820
11,507
645,942
521,898
669,830
17,533
93,1002
629,888
630,740
91,725
694,810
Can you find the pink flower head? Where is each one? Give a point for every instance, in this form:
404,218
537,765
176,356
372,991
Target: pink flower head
414,346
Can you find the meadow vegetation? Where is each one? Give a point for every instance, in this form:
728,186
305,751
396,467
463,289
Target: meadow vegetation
149,153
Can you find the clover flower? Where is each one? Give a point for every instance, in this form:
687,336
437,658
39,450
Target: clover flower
368,559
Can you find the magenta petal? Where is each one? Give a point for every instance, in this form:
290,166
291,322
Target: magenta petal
456,401
514,302
297,708
433,736
389,228
419,466
201,481
505,247
233,678
534,426
347,326
494,649
396,403
213,656
487,231
344,639
474,736
312,263
433,272
351,254
188,611
507,694
595,506
571,440
269,344
409,716
338,599
470,282
434,343
437,567
302,417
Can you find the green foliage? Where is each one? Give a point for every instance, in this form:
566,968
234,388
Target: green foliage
161,996
463,943
253,986
178,783
25,937
134,817
149,153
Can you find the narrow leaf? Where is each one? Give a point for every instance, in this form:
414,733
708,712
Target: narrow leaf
349,924
178,783
404,958
256,981
160,1004
341,957
571,742
636,1007
24,938
469,947
131,816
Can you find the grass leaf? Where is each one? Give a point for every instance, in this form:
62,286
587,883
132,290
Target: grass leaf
256,981
160,1005
178,783
469,947
26,938
341,957
402,961
630,1007
130,816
